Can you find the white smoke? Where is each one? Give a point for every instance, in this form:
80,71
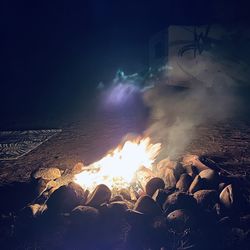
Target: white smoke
176,112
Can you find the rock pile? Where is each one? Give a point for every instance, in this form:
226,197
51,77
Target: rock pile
185,205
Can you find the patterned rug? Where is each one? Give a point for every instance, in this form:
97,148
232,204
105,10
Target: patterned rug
15,144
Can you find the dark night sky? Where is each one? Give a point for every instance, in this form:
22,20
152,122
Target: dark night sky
56,50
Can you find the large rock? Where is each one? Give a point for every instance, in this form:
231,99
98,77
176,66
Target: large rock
210,177
179,200
197,184
169,178
33,210
46,187
46,173
180,219
145,204
206,199
184,182
154,184
101,194
165,165
84,215
78,168
114,209
193,160
161,195
65,198
124,192
227,197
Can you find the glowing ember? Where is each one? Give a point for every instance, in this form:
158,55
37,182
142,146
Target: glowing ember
118,167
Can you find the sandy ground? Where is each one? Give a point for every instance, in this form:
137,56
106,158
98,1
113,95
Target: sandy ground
96,131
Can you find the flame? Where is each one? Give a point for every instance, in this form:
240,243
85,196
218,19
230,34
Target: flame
117,168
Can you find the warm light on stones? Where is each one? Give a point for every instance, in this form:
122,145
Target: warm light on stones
117,169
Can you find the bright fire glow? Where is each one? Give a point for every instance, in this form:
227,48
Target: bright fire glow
118,167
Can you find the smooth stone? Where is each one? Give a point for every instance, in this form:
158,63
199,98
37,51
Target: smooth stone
154,184
116,198
117,208
164,165
184,182
34,210
78,168
196,185
180,219
160,196
179,200
125,194
46,173
169,178
206,199
227,197
210,177
221,186
65,198
101,194
46,185
84,214
146,205
195,161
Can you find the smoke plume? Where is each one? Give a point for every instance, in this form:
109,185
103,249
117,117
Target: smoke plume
176,112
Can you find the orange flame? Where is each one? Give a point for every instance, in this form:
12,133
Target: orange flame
117,168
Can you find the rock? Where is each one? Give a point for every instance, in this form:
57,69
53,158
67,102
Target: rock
197,184
191,170
221,186
46,185
116,198
184,182
133,194
164,165
78,168
160,196
194,161
145,204
125,194
65,198
210,177
154,184
227,197
101,194
180,219
206,199
84,215
83,228
169,178
114,209
179,200
34,210
46,173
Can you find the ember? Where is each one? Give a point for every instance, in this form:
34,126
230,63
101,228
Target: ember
117,169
